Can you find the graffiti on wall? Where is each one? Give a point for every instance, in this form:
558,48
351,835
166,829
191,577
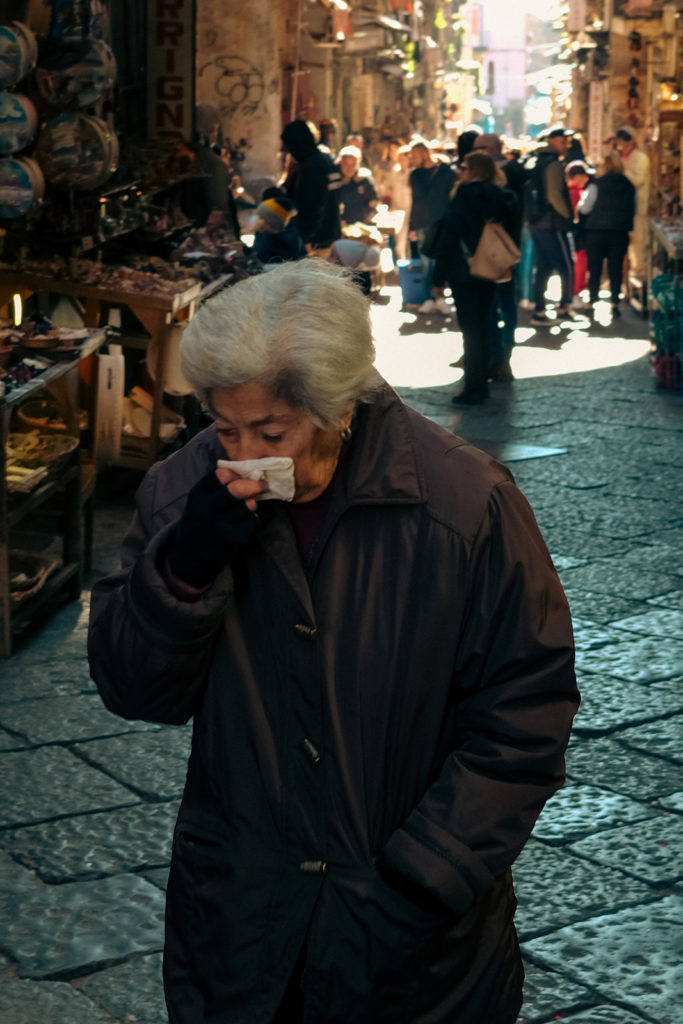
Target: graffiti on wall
239,85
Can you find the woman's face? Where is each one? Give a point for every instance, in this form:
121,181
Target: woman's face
251,424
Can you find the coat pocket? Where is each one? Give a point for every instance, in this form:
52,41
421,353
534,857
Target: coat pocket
216,915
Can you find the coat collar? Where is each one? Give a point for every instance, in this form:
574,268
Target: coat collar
378,467
382,463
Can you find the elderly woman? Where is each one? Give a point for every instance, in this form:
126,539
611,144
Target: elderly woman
380,673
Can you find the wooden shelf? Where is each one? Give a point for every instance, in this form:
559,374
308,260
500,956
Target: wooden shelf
61,379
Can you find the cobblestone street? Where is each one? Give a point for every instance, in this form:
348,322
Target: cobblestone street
87,800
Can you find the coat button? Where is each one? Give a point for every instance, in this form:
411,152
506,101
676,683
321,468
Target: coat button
312,752
313,867
309,632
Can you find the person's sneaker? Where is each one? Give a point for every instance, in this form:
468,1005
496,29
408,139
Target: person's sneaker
526,304
616,312
579,306
428,306
540,320
443,307
565,312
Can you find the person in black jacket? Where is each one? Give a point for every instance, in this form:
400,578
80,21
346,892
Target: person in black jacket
476,200
513,176
314,190
551,230
431,182
379,668
607,209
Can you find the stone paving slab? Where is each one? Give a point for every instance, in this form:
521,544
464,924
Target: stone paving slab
658,622
614,576
130,992
663,738
651,851
656,555
8,742
49,1002
640,660
600,517
673,802
64,929
631,957
571,542
590,636
14,876
579,810
603,1015
63,719
554,889
548,994
608,704
93,845
671,600
56,678
36,785
158,878
589,604
67,625
616,768
153,764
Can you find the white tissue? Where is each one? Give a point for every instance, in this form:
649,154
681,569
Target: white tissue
277,472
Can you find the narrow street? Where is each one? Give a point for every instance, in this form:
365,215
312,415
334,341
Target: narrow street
87,800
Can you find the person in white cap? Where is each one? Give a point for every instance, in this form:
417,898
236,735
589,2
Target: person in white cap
637,170
550,229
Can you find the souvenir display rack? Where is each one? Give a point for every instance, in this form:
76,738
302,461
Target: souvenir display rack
61,381
156,311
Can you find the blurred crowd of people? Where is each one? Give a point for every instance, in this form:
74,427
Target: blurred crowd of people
428,201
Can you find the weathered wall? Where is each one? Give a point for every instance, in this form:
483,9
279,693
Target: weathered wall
242,49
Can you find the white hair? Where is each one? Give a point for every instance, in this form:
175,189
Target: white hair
301,330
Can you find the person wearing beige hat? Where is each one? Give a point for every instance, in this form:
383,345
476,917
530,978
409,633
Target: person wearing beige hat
637,170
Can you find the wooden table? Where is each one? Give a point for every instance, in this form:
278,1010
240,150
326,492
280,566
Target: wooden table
156,311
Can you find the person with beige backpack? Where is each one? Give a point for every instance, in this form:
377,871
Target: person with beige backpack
473,252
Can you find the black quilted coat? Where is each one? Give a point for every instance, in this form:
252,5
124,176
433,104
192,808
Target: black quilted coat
373,740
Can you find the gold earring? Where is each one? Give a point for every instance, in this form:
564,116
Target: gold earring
345,433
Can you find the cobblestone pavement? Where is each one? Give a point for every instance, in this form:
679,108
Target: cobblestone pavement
87,800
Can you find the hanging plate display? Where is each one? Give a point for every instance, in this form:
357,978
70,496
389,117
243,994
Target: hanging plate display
18,122
21,185
82,83
77,151
18,53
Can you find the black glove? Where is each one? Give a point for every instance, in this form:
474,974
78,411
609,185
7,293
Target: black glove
212,527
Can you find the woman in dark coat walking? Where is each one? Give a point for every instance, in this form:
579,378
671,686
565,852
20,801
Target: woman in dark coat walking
476,200
606,211
379,663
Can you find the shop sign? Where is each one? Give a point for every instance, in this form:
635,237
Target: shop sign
576,17
474,20
596,121
170,68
